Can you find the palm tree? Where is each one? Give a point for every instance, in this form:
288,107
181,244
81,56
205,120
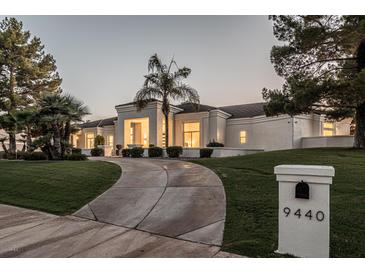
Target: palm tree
165,84
57,117
76,110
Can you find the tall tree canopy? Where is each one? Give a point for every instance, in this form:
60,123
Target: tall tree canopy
322,59
26,71
165,82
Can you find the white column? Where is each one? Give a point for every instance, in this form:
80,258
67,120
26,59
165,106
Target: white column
304,217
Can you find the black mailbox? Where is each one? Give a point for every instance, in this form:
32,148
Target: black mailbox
302,190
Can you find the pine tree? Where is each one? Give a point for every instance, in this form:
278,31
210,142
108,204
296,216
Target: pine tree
26,71
322,60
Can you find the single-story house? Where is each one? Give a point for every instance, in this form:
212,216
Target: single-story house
240,127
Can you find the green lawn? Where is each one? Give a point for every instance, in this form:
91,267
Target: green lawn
252,199
59,187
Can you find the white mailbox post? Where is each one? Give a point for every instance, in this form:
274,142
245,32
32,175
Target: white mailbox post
304,209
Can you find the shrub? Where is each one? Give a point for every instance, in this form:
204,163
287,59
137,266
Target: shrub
97,152
126,152
99,140
206,152
154,152
215,144
2,154
137,152
35,156
174,151
119,147
21,154
76,150
75,157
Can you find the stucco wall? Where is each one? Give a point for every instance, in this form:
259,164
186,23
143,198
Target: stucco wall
331,141
201,117
268,133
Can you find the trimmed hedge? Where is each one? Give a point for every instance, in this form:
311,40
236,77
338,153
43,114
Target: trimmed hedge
174,151
215,144
126,152
35,156
206,152
97,152
75,157
76,150
117,151
154,152
137,152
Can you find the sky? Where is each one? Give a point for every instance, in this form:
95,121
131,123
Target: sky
102,59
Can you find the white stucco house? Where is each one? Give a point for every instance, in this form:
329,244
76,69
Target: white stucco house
240,128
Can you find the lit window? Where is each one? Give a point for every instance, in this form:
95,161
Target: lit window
243,138
90,140
109,140
191,134
328,129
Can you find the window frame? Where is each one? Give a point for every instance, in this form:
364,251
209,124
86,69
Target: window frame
88,138
190,132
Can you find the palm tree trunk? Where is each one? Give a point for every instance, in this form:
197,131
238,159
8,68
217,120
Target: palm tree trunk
57,141
166,129
29,140
12,143
66,137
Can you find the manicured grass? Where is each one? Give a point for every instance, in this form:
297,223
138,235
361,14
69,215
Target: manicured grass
59,187
252,199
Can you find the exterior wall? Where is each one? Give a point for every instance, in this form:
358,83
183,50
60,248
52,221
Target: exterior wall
343,127
305,126
201,117
267,133
153,112
130,112
328,141
217,126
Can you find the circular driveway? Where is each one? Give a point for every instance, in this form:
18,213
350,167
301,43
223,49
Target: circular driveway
165,197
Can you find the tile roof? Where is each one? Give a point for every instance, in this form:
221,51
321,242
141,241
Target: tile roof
245,110
99,123
236,111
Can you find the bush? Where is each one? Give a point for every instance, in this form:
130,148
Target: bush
126,152
137,152
35,156
215,144
119,147
206,152
75,157
21,154
97,152
2,154
154,152
12,156
174,151
76,150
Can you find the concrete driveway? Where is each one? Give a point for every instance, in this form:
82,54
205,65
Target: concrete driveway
158,208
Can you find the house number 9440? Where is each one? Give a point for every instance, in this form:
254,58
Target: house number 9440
315,215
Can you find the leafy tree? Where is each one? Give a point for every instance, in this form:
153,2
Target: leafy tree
165,84
26,72
322,59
